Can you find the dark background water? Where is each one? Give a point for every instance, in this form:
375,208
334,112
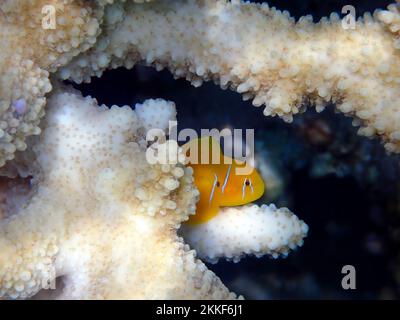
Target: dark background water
345,187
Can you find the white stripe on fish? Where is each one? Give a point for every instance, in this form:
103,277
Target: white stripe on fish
228,173
213,188
244,188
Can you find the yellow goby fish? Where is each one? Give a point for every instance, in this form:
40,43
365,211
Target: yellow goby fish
217,179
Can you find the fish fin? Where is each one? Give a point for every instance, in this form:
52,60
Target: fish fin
204,212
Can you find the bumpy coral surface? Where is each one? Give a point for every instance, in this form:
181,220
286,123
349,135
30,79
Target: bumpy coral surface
102,218
29,51
272,231
99,215
284,65
96,214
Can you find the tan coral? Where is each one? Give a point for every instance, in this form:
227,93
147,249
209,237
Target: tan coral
265,55
23,86
24,29
98,216
37,37
29,51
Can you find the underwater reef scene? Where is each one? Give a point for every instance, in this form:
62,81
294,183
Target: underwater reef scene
108,184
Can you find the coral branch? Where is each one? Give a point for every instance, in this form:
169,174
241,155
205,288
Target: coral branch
28,245
263,54
99,216
235,232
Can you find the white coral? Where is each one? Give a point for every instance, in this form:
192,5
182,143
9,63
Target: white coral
104,220
85,221
156,113
236,232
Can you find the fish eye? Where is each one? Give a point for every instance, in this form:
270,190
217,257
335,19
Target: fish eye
218,184
247,182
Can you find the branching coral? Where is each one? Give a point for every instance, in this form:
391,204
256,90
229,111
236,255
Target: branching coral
22,102
265,55
102,218
97,214
28,52
272,231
